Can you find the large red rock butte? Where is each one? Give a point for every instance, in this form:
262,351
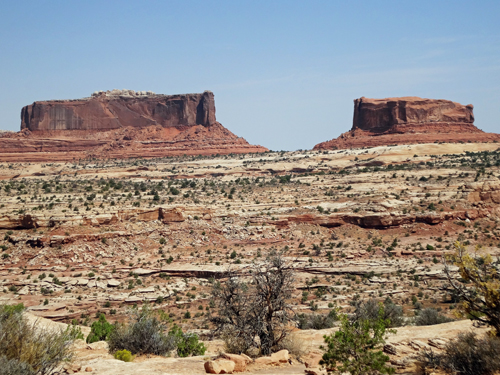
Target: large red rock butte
121,124
409,120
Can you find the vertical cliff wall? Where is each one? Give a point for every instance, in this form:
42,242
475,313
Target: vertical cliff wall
379,115
120,108
409,120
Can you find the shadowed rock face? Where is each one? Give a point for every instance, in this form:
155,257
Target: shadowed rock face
380,115
120,108
409,120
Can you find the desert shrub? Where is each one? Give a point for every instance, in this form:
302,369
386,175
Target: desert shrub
317,321
295,345
100,330
143,336
124,355
356,346
14,367
25,348
187,343
467,355
369,310
431,316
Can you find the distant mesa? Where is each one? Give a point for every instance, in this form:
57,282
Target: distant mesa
121,124
115,109
409,120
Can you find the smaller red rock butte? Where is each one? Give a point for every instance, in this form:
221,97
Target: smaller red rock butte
121,124
409,120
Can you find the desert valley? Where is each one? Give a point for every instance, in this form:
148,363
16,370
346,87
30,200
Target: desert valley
128,199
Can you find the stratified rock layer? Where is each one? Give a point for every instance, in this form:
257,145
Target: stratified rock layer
117,109
409,120
121,124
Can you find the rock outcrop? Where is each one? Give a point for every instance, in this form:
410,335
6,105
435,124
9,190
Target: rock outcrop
121,124
409,120
117,109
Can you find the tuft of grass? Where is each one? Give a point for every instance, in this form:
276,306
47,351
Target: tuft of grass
124,355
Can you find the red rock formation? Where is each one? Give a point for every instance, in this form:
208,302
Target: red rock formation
121,124
119,108
409,120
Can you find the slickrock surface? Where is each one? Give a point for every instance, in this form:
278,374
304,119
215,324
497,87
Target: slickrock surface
409,120
121,124
89,237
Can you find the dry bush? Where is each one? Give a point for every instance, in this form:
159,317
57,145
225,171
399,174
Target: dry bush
317,321
295,345
14,367
467,355
431,316
369,310
26,348
143,336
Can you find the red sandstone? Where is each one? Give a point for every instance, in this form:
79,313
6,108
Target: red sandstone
409,120
121,124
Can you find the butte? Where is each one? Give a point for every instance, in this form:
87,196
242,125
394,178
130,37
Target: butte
120,124
409,120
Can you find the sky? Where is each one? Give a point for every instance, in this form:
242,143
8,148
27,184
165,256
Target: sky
284,73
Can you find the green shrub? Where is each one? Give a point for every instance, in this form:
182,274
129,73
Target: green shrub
355,347
124,355
187,343
100,330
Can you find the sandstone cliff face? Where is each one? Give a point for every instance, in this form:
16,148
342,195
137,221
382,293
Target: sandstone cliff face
120,108
409,120
380,115
121,124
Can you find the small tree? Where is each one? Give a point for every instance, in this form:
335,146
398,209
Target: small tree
257,309
479,286
355,347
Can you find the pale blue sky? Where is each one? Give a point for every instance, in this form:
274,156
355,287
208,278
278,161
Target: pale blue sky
284,73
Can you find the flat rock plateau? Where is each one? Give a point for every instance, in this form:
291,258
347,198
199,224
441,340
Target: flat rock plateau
121,124
89,236
409,120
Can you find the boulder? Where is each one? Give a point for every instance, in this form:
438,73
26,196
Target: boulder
281,356
219,366
266,361
240,362
171,215
113,283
